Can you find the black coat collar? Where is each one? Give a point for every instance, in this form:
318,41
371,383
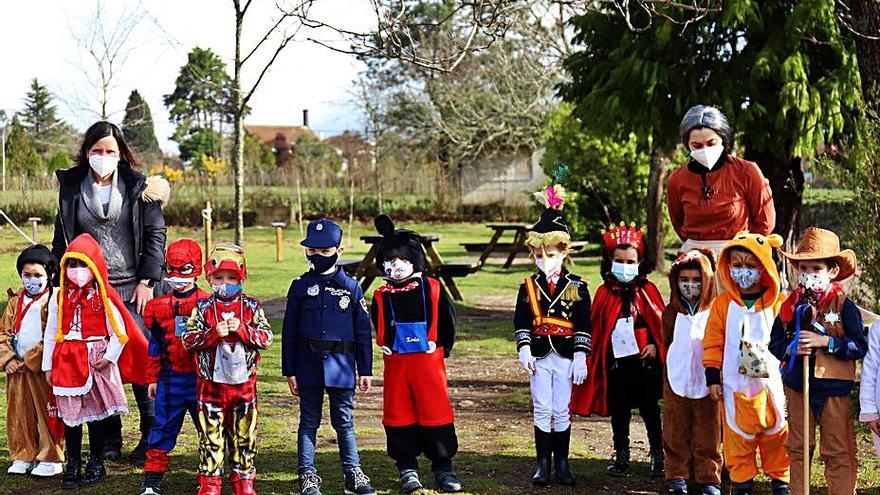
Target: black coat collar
71,178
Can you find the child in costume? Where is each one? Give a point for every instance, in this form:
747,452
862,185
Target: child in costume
415,328
691,425
741,373
819,321
552,329
627,357
328,346
227,331
92,346
869,387
36,443
172,371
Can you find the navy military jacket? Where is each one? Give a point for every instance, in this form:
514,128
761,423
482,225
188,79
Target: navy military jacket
323,309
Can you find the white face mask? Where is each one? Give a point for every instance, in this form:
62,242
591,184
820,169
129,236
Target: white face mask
708,156
178,283
80,275
397,269
690,290
34,285
814,281
551,265
623,272
103,165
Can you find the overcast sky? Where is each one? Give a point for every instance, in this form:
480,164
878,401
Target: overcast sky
37,40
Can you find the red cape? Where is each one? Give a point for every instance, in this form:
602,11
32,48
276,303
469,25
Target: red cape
592,397
134,361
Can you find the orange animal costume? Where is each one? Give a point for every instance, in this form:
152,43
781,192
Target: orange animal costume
736,336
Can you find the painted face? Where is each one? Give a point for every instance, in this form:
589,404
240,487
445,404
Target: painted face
398,269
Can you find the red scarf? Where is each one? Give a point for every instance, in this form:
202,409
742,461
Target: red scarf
786,312
21,309
592,396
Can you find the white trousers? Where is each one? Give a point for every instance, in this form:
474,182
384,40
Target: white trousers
551,393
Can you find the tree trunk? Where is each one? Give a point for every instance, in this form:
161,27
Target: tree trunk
866,21
656,186
787,183
238,134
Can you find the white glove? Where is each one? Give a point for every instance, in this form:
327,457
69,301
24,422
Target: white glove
578,368
526,360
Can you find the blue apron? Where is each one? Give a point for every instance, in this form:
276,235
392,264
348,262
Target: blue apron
410,337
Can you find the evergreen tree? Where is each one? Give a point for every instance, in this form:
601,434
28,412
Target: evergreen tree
139,131
21,157
39,116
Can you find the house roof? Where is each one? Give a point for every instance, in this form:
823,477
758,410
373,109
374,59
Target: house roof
349,142
268,133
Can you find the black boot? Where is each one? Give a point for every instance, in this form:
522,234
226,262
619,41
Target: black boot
658,463
94,472
620,465
139,454
561,442
72,473
544,449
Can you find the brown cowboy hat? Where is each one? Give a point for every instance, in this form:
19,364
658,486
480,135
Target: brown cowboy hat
821,244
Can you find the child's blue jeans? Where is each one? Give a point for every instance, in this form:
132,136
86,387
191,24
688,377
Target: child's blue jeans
311,401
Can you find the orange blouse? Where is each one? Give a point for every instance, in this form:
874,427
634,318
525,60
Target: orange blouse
741,199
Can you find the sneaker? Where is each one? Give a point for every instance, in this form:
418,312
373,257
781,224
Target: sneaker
47,469
152,484
310,483
677,486
711,489
357,483
447,482
619,464
409,481
19,467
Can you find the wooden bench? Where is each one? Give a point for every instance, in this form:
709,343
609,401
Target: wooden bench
350,266
459,269
505,247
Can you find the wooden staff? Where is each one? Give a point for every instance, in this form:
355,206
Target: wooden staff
807,456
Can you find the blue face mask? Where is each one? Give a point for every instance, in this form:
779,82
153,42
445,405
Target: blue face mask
623,272
227,290
745,277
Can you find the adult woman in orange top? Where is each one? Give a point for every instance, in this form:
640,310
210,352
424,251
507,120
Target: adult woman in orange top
716,194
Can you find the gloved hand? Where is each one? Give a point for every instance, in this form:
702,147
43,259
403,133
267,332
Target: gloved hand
526,360
578,369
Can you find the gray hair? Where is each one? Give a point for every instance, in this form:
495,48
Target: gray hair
700,116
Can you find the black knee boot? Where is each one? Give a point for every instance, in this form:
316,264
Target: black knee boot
544,449
561,442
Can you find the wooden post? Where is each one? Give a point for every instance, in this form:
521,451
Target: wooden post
207,221
279,234
806,420
350,208
34,221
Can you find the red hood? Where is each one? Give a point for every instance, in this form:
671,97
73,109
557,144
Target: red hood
86,245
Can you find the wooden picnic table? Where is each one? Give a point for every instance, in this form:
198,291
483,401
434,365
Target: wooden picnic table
521,231
366,271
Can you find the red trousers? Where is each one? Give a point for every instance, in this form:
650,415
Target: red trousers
415,390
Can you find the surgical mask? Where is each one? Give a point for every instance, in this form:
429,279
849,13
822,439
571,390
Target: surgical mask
550,265
34,285
103,165
708,156
690,290
178,283
320,264
814,281
227,290
398,269
745,277
623,272
80,275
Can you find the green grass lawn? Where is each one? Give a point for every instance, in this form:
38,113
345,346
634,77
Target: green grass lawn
489,392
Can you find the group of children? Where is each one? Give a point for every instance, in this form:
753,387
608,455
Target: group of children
725,355
67,351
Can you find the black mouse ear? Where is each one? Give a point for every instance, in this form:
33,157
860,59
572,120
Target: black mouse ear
384,225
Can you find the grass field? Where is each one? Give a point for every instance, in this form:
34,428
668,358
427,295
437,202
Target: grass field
489,392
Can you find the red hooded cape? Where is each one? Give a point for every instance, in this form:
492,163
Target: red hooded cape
592,397
134,362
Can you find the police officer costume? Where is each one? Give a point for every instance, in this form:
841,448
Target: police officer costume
327,343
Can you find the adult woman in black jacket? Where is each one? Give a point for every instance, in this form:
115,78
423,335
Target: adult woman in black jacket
105,196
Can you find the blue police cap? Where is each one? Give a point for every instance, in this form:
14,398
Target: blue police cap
322,233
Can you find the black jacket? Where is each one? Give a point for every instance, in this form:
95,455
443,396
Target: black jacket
148,224
554,305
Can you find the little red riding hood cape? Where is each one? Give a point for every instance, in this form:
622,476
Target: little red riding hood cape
133,363
592,396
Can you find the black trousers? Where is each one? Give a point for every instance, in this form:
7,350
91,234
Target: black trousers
438,443
634,383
